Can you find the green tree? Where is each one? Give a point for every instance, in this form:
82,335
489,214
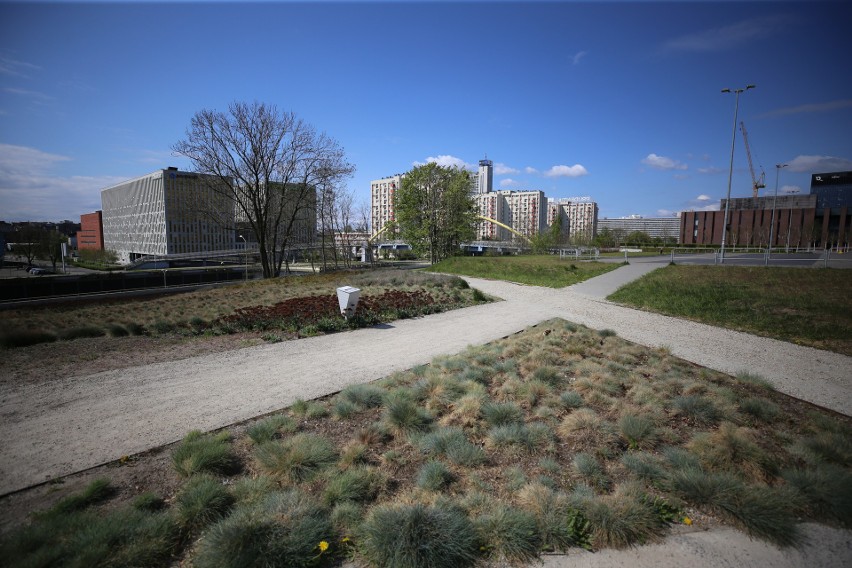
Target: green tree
434,210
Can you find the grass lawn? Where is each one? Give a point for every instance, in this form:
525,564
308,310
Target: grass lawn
806,306
536,270
557,437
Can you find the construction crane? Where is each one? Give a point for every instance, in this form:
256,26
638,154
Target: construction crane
756,183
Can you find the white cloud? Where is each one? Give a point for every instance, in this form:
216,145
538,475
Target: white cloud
663,163
25,93
789,189
728,37
575,59
503,169
508,182
818,164
703,197
530,170
447,161
666,213
566,171
9,66
811,107
29,191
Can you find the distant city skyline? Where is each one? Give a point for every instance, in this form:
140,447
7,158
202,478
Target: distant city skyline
620,101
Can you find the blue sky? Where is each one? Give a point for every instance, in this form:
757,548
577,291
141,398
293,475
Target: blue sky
617,101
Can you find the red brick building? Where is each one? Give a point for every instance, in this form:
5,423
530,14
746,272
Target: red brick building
91,233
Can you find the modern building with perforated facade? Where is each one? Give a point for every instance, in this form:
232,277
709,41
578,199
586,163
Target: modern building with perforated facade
167,212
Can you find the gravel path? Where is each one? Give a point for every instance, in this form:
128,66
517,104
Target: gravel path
57,428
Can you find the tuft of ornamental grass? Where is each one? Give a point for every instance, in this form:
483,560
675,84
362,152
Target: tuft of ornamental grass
760,409
271,427
508,535
434,476
825,447
148,501
697,408
117,330
645,466
732,448
591,471
310,409
638,431
452,444
96,492
364,396
251,490
607,333
501,414
296,459
762,511
527,438
126,537
199,453
589,430
201,501
403,415
418,536
25,337
551,510
284,529
135,329
754,380
571,400
622,519
80,332
343,409
825,491
357,484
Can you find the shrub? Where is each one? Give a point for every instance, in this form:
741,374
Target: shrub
550,509
360,484
270,427
345,516
162,327
519,436
135,328
826,447
731,449
199,453
607,333
478,296
643,465
754,380
283,530
201,501
123,538
25,338
508,534
343,409
417,536
296,459
251,490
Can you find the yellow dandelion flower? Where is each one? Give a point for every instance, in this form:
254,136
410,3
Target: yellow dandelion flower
323,546
687,521
345,539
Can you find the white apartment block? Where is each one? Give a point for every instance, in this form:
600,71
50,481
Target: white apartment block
483,180
382,193
655,227
166,212
523,211
579,217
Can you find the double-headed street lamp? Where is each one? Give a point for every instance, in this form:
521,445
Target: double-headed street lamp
774,202
731,171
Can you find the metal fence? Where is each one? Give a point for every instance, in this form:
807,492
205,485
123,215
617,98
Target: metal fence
780,256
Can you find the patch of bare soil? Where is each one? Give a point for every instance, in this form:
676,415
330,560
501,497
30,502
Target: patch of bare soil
80,357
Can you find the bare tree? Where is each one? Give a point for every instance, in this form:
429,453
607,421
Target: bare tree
268,164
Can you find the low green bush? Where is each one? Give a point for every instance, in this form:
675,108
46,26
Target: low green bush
271,427
434,476
199,453
508,534
358,484
25,337
201,501
296,459
81,332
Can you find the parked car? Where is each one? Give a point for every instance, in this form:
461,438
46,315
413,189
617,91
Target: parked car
37,270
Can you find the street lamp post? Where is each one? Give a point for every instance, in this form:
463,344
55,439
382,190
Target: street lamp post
245,250
731,170
774,202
